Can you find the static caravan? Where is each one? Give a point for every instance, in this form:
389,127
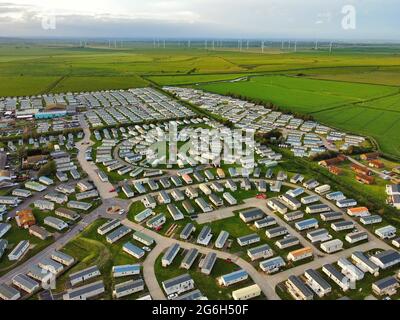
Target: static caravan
205,189
310,199
248,240
317,208
265,222
320,235
331,216
276,205
332,246
287,242
307,224
204,205
251,215
230,199
276,232
387,232
356,237
343,225
300,254
346,203
293,216
374,219
272,265
323,189
222,239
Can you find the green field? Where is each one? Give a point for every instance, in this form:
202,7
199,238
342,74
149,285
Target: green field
372,110
363,82
88,249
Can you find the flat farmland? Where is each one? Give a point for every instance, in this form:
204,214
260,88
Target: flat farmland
352,107
24,85
302,95
381,124
194,79
75,84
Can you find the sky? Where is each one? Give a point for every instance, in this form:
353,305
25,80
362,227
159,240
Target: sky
261,19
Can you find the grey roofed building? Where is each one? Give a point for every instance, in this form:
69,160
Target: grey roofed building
334,273
4,228
383,285
188,207
318,279
175,212
25,283
204,234
277,231
128,287
62,257
108,226
359,256
221,240
37,273
84,274
386,259
191,296
251,215
3,246
51,265
300,287
248,239
171,283
208,263
9,293
170,254
85,292
118,234
189,258
187,231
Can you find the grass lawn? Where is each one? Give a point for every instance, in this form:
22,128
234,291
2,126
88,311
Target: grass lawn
208,285
89,249
371,110
14,236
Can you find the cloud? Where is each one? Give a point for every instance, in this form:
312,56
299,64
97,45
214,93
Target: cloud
199,18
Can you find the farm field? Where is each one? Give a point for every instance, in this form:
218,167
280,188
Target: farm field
26,66
74,84
353,107
24,85
299,82
194,79
302,95
389,75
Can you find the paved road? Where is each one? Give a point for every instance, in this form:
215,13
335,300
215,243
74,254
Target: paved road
164,242
27,202
89,167
266,283
58,244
